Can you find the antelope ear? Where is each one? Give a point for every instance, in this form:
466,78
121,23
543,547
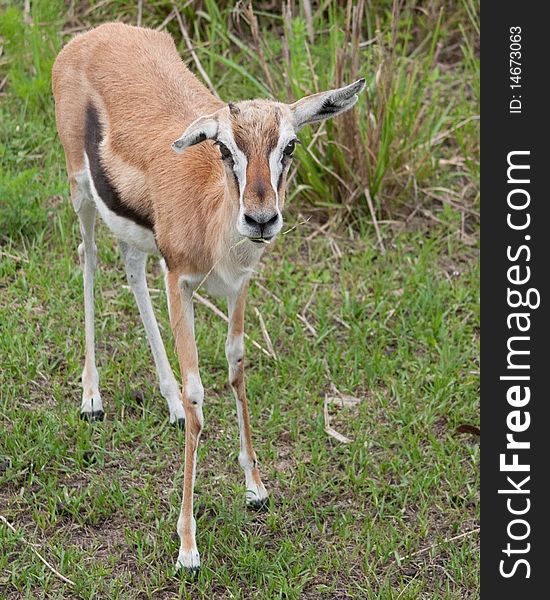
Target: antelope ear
325,105
203,128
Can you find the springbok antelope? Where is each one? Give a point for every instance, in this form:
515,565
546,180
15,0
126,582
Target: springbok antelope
122,98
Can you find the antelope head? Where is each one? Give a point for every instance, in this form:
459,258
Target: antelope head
256,141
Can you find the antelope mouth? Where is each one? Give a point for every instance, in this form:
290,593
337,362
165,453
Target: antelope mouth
261,240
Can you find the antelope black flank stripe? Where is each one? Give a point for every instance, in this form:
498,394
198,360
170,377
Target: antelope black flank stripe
105,189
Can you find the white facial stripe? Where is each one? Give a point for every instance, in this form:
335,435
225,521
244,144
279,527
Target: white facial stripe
275,159
239,159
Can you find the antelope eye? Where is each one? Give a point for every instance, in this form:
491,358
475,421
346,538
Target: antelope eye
224,151
289,148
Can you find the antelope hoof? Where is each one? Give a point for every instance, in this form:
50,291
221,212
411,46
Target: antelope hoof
258,504
188,564
95,415
191,573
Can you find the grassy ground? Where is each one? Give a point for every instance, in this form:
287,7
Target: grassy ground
391,514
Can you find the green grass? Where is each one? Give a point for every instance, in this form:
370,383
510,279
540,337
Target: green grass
392,514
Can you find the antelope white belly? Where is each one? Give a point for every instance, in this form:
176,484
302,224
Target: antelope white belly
124,229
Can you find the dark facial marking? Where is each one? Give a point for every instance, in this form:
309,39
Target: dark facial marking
224,151
105,189
235,178
282,175
280,182
286,159
227,158
258,189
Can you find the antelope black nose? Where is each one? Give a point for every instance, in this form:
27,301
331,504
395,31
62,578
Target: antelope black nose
262,220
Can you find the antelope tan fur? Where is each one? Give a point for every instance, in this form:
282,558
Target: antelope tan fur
175,172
